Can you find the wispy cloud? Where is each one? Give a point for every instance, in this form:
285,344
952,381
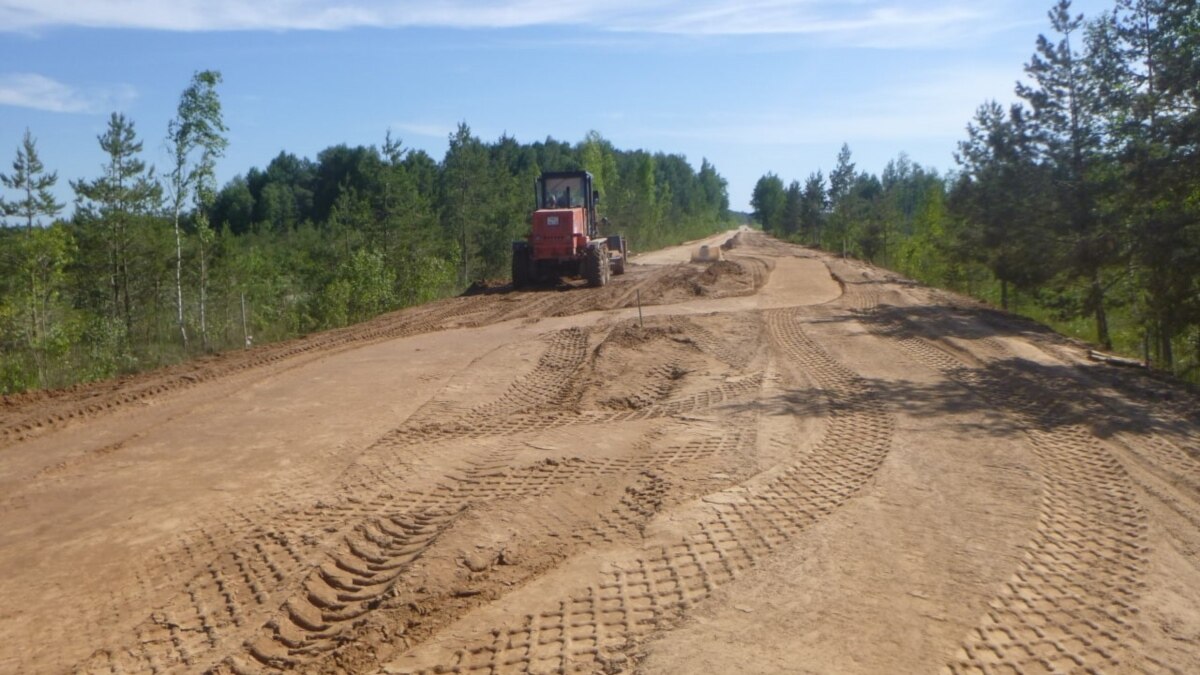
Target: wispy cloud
31,90
861,22
203,15
868,23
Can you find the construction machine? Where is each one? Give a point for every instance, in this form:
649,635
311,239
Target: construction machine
565,238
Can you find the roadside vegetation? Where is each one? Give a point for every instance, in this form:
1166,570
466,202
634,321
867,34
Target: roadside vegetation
1078,206
158,264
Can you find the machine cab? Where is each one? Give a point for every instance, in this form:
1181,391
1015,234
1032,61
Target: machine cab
571,194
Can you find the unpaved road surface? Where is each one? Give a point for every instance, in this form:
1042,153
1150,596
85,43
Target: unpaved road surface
792,463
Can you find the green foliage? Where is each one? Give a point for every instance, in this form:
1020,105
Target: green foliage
32,183
769,201
195,139
109,212
372,285
813,206
1078,207
301,245
102,346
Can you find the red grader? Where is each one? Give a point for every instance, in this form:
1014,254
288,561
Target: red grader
565,239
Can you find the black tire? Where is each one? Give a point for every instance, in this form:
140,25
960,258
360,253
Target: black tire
595,265
520,266
618,266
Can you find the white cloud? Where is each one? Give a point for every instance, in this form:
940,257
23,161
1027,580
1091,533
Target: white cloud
201,15
859,22
31,90
862,23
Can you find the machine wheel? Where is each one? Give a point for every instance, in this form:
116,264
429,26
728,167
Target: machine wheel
595,265
520,266
618,266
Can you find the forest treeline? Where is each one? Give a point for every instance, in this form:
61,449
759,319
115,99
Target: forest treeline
154,266
1079,205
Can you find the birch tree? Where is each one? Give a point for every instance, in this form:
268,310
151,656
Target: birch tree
196,139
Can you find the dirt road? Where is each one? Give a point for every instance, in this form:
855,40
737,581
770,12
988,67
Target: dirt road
792,463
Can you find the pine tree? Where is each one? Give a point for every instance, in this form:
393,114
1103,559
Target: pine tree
110,207
40,256
793,207
1001,194
841,182
1135,58
813,208
1066,123
30,180
466,192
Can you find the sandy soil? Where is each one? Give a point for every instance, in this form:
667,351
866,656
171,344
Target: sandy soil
789,463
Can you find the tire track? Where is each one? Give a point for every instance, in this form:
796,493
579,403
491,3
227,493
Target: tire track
629,297
547,383
736,356
192,561
355,580
360,574
238,594
641,590
241,581
1071,605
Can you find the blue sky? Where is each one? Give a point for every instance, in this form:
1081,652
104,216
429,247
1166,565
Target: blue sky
754,86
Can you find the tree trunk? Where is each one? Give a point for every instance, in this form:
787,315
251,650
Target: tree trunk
114,274
127,304
179,279
203,298
1098,307
1166,356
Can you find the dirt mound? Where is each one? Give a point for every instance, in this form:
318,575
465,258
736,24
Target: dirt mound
720,269
638,366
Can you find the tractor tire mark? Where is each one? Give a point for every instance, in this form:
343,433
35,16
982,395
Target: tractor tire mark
629,297
708,342
272,578
1071,605
546,384
336,595
738,528
361,573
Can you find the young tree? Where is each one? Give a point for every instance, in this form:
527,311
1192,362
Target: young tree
768,201
596,154
841,183
812,208
640,207
30,180
196,139
40,256
110,206
465,194
867,221
715,190
793,207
